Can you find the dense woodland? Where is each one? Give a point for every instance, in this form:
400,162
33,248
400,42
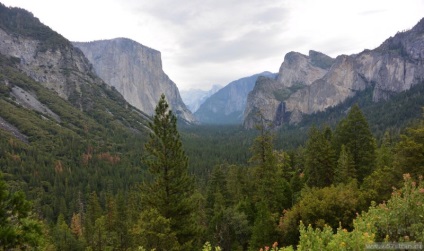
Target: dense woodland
107,178
211,186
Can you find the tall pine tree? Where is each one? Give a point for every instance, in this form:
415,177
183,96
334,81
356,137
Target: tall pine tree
410,151
345,170
272,191
355,134
171,188
320,158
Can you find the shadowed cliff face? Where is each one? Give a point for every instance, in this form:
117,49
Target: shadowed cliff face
308,84
136,72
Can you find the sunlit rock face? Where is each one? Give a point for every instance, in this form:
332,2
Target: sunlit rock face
311,83
136,72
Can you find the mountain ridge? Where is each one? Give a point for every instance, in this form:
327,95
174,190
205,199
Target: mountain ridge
303,88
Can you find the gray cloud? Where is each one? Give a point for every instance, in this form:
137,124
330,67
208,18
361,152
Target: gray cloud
218,30
255,44
217,34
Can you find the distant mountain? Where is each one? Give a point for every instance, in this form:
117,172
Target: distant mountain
228,104
135,71
314,83
193,98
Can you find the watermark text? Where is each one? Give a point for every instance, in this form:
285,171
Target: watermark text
394,246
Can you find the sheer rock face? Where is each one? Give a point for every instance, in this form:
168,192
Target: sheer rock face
136,72
308,84
63,69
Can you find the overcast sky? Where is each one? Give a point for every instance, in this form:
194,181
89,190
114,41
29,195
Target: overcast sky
206,42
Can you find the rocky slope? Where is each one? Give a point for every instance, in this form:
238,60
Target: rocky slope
38,66
61,68
227,105
308,84
136,72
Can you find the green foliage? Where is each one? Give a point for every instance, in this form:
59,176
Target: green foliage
208,146
354,133
398,220
320,158
153,231
322,206
171,189
63,236
401,218
264,228
227,221
19,229
208,247
345,170
410,151
324,239
379,184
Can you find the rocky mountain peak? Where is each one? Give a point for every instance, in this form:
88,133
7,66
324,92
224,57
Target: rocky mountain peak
407,44
136,72
308,84
320,60
301,70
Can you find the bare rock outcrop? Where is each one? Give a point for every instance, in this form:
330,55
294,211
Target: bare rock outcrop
136,72
63,69
309,84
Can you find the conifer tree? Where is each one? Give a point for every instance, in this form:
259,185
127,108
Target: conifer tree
266,167
345,169
320,158
93,212
272,193
264,230
410,151
171,188
355,134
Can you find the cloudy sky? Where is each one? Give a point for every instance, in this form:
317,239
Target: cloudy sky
206,42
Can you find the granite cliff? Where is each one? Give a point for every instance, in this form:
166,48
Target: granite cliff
136,72
308,84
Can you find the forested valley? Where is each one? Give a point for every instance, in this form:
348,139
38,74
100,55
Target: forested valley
337,184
